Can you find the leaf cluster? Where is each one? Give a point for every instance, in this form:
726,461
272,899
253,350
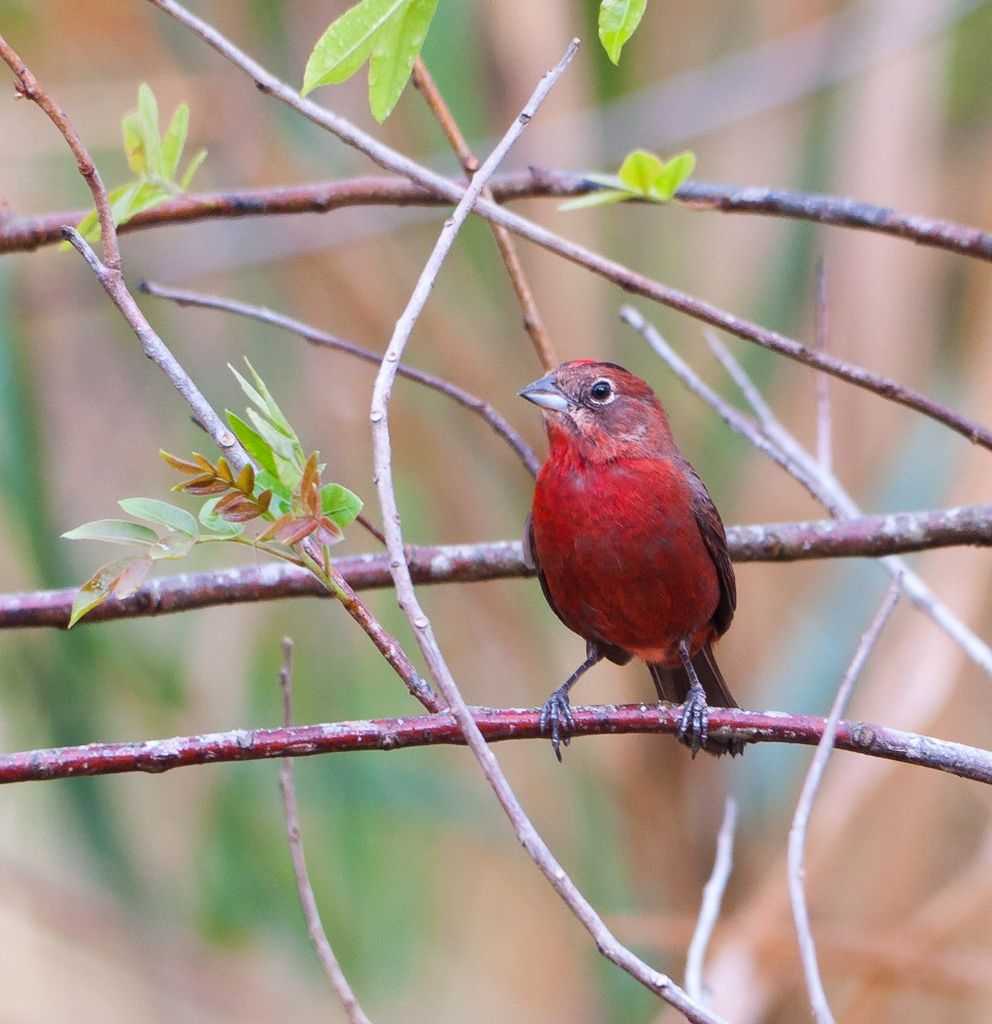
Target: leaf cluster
642,175
388,34
154,158
285,493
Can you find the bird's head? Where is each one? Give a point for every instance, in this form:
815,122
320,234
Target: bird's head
601,410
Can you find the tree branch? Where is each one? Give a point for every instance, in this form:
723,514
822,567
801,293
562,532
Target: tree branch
23,234
29,87
495,725
866,536
537,849
111,277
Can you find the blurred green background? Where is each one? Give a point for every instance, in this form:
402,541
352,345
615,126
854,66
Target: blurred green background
171,898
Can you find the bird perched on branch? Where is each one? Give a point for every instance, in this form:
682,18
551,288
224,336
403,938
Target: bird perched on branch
628,545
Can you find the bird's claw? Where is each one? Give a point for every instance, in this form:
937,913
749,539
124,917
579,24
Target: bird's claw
556,721
694,724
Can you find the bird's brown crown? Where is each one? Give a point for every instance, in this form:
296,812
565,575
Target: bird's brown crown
609,413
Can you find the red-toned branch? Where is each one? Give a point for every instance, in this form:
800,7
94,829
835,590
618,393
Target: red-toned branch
496,725
873,536
23,234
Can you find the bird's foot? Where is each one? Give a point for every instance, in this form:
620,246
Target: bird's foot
556,720
694,724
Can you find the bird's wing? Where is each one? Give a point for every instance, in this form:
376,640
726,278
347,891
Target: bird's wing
715,537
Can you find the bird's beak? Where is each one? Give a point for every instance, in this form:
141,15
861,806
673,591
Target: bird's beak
546,393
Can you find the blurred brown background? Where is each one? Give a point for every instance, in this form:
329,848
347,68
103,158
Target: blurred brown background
171,898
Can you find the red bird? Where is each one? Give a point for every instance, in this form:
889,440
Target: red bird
628,545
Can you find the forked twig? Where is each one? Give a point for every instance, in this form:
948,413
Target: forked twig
709,911
804,806
308,902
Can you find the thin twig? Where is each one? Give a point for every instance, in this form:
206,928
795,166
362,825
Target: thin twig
824,416
308,902
772,438
709,911
628,279
28,87
800,820
495,725
24,234
529,838
321,338
533,322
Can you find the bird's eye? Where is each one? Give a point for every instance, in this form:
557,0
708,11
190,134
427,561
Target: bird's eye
601,391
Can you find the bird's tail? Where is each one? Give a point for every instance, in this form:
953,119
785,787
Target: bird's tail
672,685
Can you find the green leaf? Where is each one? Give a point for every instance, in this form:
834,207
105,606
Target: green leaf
116,531
394,50
276,439
174,141
148,115
269,406
340,504
253,443
253,396
154,511
97,588
134,143
347,43
652,178
259,395
675,173
640,170
618,20
215,524
191,168
602,197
